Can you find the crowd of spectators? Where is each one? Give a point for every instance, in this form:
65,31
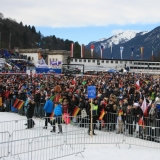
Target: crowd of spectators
118,96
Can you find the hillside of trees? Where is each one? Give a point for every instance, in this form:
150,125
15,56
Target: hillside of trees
23,36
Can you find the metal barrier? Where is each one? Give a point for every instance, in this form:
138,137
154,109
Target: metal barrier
103,135
28,134
141,135
49,147
38,143
58,146
106,132
20,148
4,144
10,126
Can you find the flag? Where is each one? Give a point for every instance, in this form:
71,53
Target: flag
66,118
102,51
145,114
142,51
141,122
121,51
0,101
120,113
75,112
15,103
152,52
20,104
144,105
82,50
74,81
92,48
111,51
137,85
72,46
102,114
132,49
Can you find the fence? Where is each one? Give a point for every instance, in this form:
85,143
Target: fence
68,143
38,143
146,135
43,147
13,125
4,144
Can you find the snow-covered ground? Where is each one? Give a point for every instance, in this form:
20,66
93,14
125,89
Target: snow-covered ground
92,151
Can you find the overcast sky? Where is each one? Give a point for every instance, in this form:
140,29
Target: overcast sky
84,20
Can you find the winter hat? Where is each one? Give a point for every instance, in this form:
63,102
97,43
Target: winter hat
136,104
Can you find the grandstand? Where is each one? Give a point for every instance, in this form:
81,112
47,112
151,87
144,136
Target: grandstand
13,61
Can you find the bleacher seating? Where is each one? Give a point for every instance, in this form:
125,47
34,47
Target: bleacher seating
17,61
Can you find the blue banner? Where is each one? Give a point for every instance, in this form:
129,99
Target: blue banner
91,91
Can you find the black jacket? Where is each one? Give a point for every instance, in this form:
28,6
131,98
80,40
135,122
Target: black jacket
37,97
30,110
137,111
81,104
42,99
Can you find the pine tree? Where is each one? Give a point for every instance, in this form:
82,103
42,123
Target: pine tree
33,29
77,50
21,23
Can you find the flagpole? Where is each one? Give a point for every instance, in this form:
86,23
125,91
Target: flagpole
101,48
111,52
92,48
121,50
152,55
81,51
101,53
91,125
72,47
132,49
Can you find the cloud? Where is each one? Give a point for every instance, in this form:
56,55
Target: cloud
81,13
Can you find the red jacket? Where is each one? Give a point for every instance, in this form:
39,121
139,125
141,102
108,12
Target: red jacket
6,94
65,108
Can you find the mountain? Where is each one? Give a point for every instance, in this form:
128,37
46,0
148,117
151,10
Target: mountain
116,40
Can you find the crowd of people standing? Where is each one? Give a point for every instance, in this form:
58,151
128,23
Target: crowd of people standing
123,99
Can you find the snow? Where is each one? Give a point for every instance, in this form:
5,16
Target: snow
118,39
92,151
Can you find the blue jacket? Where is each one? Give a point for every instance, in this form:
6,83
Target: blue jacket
58,110
48,107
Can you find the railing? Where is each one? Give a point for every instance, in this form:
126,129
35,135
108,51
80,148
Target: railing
38,143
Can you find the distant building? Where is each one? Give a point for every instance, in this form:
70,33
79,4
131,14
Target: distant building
117,64
53,55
